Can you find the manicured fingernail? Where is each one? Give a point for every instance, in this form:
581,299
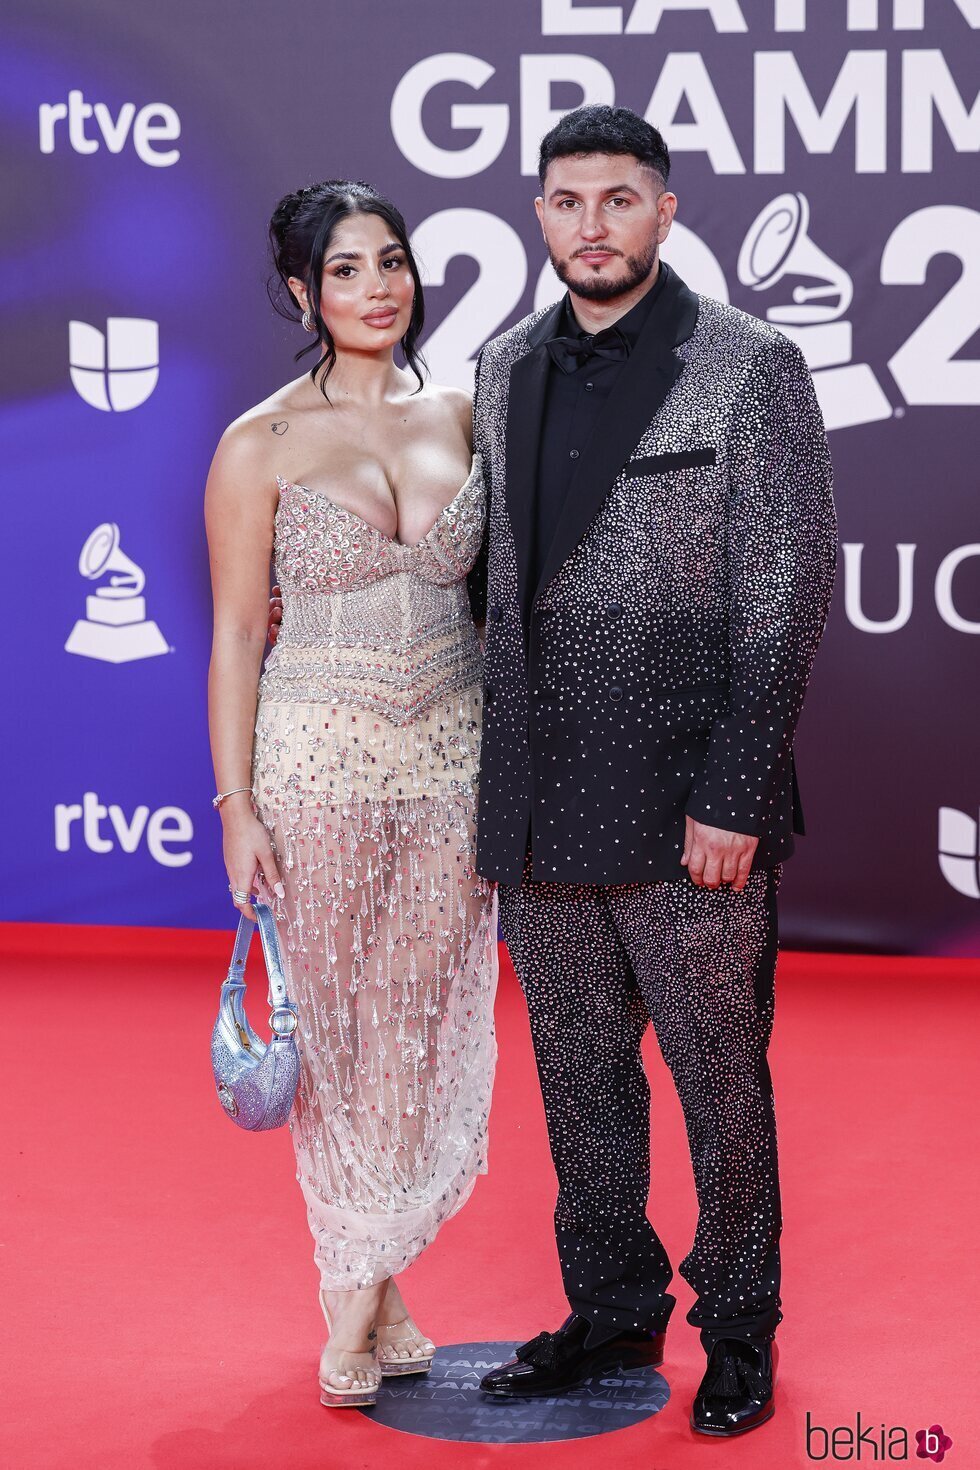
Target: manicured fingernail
279,891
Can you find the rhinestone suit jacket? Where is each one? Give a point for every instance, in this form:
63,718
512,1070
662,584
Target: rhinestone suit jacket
659,667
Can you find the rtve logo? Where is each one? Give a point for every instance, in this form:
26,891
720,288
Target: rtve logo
118,370
152,125
959,851
163,828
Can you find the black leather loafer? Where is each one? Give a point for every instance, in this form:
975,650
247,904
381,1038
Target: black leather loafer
554,1362
736,1392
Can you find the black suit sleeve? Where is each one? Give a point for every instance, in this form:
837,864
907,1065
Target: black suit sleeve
476,582
781,557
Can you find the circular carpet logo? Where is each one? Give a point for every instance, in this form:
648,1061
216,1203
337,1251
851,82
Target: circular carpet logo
447,1403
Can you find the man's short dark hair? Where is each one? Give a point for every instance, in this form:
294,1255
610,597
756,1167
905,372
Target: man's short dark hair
602,129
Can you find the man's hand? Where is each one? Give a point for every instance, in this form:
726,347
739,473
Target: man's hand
713,856
275,614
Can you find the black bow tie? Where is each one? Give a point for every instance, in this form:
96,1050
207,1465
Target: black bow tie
569,353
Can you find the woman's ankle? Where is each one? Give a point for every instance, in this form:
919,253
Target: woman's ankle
393,1307
352,1316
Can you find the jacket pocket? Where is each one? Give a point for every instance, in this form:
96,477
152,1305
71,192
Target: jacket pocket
659,464
685,689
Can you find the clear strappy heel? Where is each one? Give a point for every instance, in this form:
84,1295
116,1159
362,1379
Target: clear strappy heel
349,1394
391,1362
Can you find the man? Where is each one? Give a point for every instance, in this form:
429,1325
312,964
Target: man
656,578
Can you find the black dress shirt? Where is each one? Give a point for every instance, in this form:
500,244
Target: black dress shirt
575,398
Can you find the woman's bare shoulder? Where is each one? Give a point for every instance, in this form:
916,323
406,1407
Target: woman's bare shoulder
455,402
247,451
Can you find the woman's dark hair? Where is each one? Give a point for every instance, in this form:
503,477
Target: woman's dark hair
300,231
601,129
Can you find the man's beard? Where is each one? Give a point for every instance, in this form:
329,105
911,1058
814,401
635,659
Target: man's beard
604,288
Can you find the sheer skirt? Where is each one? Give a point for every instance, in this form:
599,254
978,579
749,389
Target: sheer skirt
390,939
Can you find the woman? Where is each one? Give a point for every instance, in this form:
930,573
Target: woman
354,805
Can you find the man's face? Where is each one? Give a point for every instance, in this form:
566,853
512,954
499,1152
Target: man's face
603,217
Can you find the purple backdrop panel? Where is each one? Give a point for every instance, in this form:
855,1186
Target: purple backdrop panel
825,159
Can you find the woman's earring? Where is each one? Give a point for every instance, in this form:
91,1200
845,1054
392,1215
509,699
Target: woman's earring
308,323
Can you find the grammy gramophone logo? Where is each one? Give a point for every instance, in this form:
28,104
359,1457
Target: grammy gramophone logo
115,628
778,246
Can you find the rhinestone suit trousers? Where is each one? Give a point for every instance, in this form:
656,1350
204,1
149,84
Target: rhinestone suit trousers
597,964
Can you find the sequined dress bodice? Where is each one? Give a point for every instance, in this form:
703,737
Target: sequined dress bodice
367,620
373,688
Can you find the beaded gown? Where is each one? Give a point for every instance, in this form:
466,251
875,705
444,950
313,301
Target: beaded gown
364,773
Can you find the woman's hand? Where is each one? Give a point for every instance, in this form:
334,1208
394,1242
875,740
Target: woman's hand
248,855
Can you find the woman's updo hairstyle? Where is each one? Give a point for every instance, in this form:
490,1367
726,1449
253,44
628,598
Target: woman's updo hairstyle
300,231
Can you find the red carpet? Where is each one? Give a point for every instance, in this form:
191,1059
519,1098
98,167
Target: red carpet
159,1302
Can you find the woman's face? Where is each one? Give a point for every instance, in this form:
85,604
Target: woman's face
367,289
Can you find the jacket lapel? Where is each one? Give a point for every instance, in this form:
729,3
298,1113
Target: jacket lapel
648,375
525,416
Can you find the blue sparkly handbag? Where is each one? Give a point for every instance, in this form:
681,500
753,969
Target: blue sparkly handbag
256,1080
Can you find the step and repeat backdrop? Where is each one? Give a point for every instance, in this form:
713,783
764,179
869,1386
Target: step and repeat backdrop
825,159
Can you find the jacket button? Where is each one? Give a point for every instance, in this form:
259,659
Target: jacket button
496,613
614,610
615,692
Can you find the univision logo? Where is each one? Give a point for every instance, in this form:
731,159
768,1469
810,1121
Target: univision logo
959,851
117,370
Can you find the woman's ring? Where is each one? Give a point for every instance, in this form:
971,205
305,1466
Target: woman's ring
238,895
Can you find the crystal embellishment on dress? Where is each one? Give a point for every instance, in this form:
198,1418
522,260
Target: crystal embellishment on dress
365,774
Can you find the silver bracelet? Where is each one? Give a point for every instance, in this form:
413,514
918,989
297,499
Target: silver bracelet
217,800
